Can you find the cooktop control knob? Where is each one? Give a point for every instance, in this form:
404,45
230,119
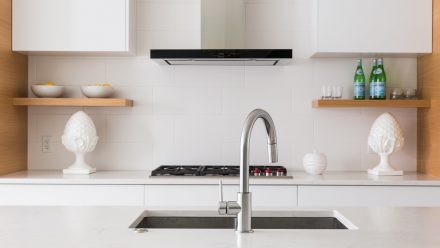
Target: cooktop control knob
280,172
267,172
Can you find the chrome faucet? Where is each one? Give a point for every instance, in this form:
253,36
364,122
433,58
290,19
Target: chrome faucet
243,207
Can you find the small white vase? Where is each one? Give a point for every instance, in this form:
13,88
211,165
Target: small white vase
315,163
80,138
386,137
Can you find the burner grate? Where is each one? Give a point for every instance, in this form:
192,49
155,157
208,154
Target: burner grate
215,170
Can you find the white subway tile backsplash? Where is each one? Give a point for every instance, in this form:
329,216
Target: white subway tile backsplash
194,114
122,156
187,101
209,77
243,100
128,128
334,127
334,71
341,156
70,71
137,71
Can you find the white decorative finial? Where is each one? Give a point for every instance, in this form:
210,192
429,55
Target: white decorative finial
385,137
80,138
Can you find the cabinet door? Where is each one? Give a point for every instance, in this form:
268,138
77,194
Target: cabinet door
365,196
71,25
373,26
263,196
72,195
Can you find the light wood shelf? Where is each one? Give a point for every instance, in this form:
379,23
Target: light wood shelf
371,103
74,102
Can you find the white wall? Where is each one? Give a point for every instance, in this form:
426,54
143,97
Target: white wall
194,115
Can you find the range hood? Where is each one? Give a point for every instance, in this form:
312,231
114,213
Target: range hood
248,57
223,41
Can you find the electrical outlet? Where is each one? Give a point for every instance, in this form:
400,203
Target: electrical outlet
47,144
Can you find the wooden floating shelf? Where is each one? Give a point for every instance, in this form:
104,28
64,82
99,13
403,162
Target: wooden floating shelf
371,103
74,102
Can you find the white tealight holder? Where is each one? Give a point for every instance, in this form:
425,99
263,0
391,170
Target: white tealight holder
386,137
80,138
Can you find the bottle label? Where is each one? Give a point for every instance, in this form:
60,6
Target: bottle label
372,89
359,72
378,71
379,89
359,89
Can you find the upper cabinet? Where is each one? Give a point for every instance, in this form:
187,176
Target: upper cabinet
354,27
78,26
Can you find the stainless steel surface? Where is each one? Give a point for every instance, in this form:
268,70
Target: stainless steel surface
244,198
227,222
229,207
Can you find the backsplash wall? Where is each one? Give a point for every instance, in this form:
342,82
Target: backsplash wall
194,115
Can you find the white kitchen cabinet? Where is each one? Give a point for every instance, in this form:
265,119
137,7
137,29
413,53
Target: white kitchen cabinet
72,195
65,26
263,196
353,27
371,196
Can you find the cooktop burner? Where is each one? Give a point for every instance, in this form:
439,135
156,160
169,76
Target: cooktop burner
217,170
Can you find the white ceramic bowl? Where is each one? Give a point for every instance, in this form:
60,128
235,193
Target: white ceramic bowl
97,91
49,91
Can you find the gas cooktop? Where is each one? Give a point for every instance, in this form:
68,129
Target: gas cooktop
218,170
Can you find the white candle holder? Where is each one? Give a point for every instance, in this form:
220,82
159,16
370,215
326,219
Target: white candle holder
386,137
80,138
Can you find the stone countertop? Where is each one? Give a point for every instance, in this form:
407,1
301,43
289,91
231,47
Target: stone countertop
107,227
142,178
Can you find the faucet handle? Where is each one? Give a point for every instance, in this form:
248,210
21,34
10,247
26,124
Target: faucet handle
224,207
220,190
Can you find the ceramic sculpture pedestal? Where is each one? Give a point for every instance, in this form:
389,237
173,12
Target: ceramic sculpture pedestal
384,168
80,167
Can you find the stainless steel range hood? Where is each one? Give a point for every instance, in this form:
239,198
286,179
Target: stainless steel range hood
223,41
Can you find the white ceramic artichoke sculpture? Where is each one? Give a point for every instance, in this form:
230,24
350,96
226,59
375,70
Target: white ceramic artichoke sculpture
385,137
80,138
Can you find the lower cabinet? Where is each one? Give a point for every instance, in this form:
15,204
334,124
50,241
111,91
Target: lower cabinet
187,196
263,196
72,195
364,196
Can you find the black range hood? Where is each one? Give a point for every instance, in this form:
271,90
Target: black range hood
247,57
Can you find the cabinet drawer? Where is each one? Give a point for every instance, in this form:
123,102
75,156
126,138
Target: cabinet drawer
404,196
83,195
208,196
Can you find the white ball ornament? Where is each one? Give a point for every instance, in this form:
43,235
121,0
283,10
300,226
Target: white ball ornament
80,138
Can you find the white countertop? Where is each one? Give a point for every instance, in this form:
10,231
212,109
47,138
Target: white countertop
142,178
107,227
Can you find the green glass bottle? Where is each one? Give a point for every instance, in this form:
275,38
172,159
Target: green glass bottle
359,82
380,81
372,78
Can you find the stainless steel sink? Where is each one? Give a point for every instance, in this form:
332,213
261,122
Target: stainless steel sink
261,220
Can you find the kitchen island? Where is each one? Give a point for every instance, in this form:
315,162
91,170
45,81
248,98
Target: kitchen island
93,227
